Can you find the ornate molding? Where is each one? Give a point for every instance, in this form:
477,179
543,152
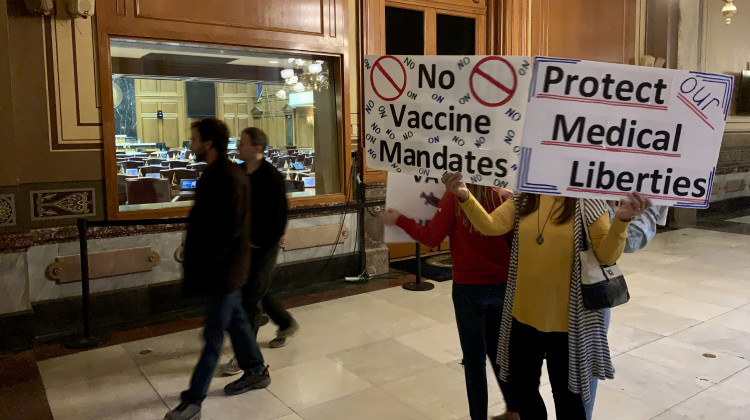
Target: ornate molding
62,204
7,210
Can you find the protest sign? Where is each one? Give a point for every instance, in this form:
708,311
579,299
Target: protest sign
425,115
603,130
414,196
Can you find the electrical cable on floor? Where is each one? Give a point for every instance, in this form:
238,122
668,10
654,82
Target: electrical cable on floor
343,218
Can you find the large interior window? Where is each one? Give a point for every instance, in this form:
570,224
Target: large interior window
161,88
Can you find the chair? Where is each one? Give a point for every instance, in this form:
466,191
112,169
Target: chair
147,190
155,162
173,153
121,188
176,175
281,162
129,164
300,158
161,146
308,161
151,169
294,186
177,164
200,167
290,150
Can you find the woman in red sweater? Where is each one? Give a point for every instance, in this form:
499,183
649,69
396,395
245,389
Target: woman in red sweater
480,270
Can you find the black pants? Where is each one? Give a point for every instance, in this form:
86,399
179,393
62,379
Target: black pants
528,349
479,308
255,292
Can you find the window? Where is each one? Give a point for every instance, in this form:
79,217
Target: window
160,88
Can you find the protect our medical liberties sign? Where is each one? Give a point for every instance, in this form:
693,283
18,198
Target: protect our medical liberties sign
582,128
425,115
604,130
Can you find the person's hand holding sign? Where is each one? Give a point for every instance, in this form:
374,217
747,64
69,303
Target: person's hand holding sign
390,217
453,184
632,206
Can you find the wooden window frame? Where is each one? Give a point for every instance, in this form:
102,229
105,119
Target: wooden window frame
119,23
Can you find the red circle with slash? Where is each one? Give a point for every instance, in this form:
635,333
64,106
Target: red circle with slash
396,80
505,92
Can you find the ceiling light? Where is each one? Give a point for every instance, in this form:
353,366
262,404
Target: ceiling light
273,61
729,10
299,87
315,68
287,73
281,94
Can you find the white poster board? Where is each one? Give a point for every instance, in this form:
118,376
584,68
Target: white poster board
415,197
602,130
425,115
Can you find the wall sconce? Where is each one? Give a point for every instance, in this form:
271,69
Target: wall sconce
310,120
729,10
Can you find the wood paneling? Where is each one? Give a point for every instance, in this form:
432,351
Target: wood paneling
298,16
75,115
584,29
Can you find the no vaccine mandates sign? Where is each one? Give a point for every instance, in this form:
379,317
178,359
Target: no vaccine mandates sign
425,115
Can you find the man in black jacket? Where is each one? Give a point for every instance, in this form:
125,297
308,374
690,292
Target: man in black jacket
217,264
269,217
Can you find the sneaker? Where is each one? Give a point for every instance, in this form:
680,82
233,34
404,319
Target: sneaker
185,411
232,368
248,382
282,335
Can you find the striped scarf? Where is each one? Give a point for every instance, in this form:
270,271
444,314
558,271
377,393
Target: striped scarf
588,349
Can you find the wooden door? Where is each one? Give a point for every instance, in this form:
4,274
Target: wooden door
234,101
160,111
422,29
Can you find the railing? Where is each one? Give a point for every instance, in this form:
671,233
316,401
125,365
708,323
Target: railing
88,340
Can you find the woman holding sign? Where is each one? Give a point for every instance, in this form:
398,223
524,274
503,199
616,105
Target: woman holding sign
544,316
480,270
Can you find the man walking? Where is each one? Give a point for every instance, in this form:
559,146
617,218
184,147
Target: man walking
269,217
217,263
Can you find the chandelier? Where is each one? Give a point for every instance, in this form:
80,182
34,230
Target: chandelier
729,10
303,75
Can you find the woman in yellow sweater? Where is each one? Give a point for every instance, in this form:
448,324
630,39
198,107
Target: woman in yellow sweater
543,315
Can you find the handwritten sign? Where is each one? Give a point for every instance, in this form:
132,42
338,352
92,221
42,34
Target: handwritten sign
425,115
604,130
414,196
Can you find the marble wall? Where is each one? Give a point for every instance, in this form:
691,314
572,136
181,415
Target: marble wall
23,280
14,292
125,115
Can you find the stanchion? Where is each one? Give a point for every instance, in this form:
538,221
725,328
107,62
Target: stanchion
87,341
419,285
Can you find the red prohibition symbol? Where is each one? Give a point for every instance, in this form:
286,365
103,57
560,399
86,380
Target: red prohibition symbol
394,79
493,97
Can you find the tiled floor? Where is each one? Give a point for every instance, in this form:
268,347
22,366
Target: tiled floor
681,348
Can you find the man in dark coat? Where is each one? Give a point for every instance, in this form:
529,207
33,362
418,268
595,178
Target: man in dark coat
217,265
269,217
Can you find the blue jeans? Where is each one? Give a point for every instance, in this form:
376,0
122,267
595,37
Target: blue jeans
593,384
479,308
223,313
